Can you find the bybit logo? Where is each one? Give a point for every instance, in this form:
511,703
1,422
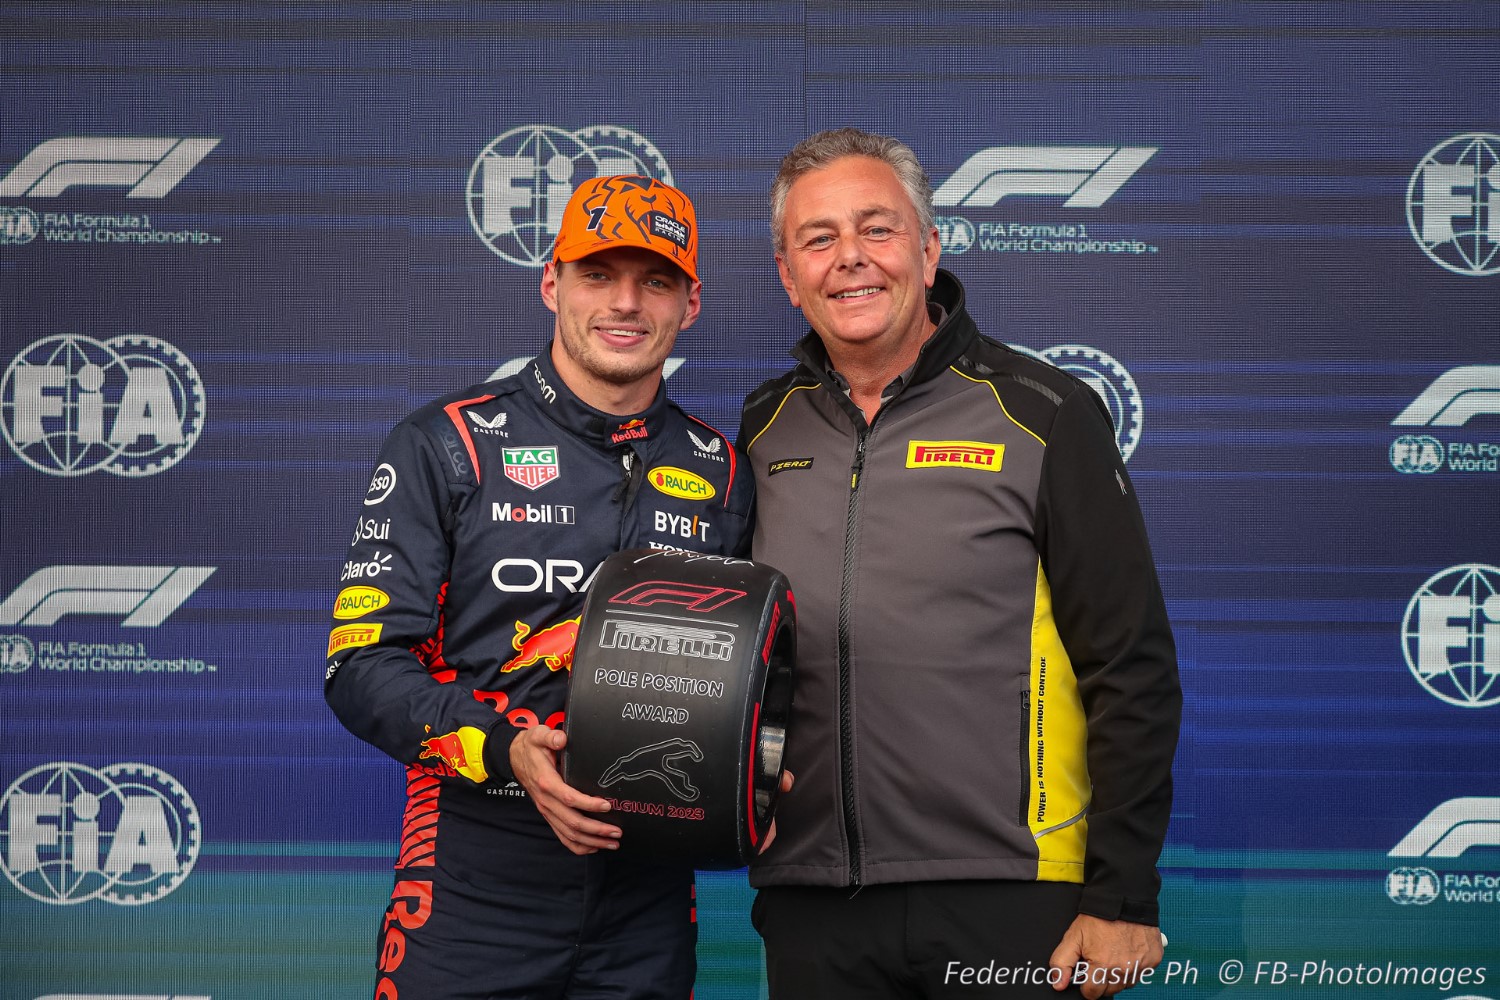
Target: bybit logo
150,168
1453,204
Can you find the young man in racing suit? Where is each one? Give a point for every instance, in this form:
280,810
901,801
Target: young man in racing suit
488,513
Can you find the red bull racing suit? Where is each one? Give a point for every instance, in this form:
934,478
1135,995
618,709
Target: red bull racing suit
486,517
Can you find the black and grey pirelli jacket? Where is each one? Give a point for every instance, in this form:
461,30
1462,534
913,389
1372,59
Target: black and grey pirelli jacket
986,679
488,513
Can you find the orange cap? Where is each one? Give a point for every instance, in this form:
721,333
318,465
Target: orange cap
628,210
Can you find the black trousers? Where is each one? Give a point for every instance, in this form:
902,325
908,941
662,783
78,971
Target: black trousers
914,940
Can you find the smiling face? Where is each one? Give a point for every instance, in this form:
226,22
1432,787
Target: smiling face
857,262
618,315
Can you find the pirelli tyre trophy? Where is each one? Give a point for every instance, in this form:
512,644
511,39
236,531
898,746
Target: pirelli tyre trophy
678,703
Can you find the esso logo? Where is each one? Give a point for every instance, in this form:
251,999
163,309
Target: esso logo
381,485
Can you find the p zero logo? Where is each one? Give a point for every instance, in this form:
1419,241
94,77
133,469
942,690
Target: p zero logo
1452,828
350,636
690,596
1087,175
1453,204
532,468
126,833
954,454
1454,398
680,483
149,167
145,595
356,602
788,465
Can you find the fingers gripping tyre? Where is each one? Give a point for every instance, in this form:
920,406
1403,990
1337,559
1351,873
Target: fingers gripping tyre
678,702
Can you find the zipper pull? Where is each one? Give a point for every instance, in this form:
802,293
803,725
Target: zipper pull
859,463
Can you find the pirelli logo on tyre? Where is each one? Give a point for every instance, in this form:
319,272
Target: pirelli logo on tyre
349,636
954,454
680,483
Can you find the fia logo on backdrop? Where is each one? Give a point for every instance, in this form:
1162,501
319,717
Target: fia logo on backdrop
126,834
1453,204
1451,635
1109,379
521,182
130,406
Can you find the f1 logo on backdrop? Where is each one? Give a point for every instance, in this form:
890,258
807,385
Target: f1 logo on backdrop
1451,635
521,182
1452,828
1453,204
1088,175
1454,398
145,595
150,168
131,405
125,833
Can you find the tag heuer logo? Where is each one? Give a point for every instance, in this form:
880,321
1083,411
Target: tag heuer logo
533,468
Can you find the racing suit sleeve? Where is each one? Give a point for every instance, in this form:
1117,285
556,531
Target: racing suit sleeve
377,684
1110,614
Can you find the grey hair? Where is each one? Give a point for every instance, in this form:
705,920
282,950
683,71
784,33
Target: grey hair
818,151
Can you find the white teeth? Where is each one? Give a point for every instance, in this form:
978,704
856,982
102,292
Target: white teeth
857,293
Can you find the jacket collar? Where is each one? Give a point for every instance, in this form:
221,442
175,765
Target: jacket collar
947,343
606,430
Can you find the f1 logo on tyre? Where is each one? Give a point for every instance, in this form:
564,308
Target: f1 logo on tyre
692,597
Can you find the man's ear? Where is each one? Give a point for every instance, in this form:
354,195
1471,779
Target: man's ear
786,280
694,305
549,284
931,251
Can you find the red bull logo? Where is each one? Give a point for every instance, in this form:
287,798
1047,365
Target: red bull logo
462,750
552,646
631,430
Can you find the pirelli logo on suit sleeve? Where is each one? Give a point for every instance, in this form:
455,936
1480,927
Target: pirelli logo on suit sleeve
954,454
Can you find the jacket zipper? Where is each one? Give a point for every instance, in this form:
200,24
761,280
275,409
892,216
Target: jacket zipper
846,736
1025,759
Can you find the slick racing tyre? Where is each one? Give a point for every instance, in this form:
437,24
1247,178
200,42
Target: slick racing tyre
678,702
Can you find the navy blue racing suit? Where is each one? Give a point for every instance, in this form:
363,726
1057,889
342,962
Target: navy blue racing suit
488,514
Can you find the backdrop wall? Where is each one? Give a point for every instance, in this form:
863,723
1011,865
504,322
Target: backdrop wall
238,242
